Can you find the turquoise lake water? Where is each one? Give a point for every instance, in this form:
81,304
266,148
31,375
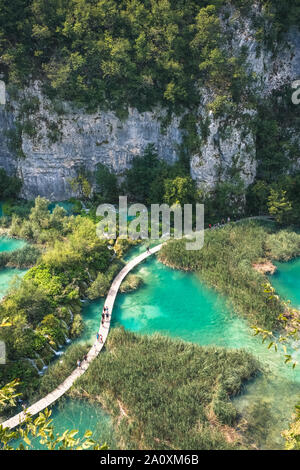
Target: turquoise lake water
287,281
11,244
179,305
7,274
82,416
6,277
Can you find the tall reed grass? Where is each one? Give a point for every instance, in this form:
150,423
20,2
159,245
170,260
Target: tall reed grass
226,260
167,394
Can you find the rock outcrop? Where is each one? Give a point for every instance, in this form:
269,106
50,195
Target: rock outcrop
61,143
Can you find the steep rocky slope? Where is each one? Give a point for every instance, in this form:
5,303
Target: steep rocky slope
50,143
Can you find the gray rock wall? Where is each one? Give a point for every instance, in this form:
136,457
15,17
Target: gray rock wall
87,139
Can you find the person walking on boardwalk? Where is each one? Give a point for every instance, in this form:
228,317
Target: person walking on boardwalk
148,249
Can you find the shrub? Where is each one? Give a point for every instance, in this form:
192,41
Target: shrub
131,283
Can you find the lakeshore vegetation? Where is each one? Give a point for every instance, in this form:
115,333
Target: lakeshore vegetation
226,263
68,262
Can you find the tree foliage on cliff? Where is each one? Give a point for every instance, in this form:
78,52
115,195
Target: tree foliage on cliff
116,53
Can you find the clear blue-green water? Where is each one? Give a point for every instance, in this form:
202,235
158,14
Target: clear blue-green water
8,274
68,206
179,305
81,415
287,281
11,244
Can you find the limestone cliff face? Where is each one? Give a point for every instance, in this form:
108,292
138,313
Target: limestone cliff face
7,157
64,142
228,147
82,141
86,140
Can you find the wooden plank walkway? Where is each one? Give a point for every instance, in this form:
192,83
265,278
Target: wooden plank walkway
93,352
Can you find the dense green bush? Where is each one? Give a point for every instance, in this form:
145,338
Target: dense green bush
283,246
24,258
20,208
149,178
10,186
284,192
131,283
227,199
59,371
107,185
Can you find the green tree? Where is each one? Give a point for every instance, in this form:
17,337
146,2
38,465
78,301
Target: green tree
279,207
257,198
39,214
10,186
107,184
81,184
145,170
99,287
180,190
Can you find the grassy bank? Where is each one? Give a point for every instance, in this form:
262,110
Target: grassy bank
167,394
226,263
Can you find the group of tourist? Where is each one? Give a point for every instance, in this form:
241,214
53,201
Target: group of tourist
79,363
219,225
104,317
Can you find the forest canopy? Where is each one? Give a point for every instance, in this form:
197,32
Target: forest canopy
127,52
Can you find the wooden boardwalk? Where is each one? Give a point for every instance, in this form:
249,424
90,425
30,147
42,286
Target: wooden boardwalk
93,352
